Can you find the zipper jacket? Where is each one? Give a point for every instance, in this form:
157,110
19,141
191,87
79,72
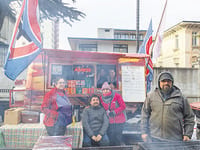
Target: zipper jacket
168,119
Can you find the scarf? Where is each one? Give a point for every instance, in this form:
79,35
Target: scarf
108,98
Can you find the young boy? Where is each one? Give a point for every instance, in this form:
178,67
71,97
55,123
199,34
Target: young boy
95,124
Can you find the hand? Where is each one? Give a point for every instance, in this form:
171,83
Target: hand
94,138
112,114
98,138
107,112
186,138
144,137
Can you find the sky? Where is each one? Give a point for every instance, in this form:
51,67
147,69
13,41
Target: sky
121,14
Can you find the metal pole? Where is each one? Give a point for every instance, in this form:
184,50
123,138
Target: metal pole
137,25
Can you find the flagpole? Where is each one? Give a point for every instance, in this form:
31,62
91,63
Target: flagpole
161,19
137,25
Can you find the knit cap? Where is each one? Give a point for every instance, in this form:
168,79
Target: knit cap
166,76
105,86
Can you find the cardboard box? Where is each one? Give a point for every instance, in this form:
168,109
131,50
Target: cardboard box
12,116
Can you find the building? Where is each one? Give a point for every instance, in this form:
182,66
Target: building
5,36
181,46
50,34
108,40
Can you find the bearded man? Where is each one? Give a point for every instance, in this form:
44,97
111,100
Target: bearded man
166,113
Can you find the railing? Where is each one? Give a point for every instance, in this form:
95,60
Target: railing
4,94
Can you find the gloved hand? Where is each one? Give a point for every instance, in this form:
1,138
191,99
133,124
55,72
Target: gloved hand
112,114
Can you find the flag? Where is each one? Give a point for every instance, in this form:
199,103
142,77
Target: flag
26,41
159,36
145,49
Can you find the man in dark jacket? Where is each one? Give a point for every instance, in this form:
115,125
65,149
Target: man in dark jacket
166,113
95,124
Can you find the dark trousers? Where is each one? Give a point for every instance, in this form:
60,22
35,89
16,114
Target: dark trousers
88,142
56,130
115,134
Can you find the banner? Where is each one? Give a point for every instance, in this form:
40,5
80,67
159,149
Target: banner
26,40
159,36
145,49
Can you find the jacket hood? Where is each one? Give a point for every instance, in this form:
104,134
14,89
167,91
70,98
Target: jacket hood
176,92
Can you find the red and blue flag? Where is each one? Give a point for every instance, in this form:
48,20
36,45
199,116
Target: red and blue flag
145,49
26,40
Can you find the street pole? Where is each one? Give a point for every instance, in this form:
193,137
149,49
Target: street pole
137,25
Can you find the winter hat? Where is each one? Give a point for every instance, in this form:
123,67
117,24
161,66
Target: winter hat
166,76
106,86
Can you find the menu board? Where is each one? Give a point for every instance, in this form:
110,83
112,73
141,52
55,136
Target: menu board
133,83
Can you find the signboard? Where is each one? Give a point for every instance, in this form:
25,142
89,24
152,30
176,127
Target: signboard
133,83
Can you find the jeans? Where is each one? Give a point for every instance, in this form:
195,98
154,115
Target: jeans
56,130
88,142
115,134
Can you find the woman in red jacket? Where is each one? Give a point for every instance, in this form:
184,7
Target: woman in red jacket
57,109
115,108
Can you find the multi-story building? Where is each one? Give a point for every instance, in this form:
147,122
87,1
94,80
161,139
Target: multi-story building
108,40
181,46
49,32
5,36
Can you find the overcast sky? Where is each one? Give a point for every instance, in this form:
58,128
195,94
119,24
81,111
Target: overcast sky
121,14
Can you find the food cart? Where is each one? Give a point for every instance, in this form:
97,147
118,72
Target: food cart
82,72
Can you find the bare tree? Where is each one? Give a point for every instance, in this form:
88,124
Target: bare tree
49,9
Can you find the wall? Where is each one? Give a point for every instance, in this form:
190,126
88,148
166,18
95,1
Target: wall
187,79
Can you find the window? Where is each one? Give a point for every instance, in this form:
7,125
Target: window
194,38
124,36
3,54
140,36
80,78
107,30
88,47
122,48
106,72
117,35
76,75
133,36
176,42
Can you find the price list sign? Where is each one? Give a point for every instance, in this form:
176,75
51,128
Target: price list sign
133,83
